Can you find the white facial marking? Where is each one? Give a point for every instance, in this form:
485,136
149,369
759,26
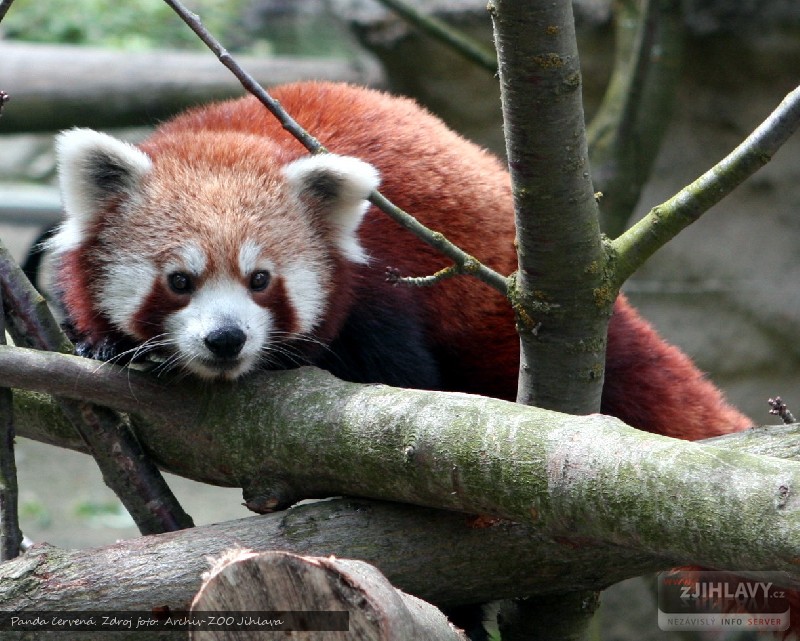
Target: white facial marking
250,258
123,288
193,259
216,305
305,292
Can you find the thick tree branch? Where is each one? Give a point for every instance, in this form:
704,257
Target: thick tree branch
480,564
665,221
296,434
562,311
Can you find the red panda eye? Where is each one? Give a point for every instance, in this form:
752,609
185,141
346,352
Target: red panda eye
180,283
259,281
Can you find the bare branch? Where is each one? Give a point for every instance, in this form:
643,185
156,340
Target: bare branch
779,408
446,34
192,20
627,130
666,220
504,560
462,260
30,321
393,276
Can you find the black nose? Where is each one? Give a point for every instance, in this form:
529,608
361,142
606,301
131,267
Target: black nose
226,342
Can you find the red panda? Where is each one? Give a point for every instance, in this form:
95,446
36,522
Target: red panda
220,245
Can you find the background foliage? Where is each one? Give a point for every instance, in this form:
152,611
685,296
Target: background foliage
143,24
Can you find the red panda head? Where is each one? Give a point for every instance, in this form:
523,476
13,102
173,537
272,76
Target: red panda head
210,248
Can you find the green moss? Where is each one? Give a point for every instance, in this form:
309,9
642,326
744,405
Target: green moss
604,296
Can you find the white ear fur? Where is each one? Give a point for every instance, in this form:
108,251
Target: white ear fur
341,185
92,167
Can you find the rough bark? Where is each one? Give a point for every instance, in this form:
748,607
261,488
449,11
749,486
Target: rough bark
283,436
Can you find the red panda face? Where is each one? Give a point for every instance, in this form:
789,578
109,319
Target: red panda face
210,251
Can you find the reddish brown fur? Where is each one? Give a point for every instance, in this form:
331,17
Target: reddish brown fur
451,185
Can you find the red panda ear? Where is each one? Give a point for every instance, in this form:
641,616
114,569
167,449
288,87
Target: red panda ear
92,168
339,187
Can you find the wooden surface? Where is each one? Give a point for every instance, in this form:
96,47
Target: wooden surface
246,582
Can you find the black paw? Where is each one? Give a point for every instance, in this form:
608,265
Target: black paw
105,350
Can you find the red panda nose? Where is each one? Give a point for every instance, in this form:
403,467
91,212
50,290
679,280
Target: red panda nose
226,342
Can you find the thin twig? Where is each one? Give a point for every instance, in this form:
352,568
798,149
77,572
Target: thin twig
779,408
464,262
4,98
461,258
665,221
438,29
394,277
10,533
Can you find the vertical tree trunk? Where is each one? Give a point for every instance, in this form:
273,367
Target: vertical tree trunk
562,306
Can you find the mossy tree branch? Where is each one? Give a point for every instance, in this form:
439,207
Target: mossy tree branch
297,434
